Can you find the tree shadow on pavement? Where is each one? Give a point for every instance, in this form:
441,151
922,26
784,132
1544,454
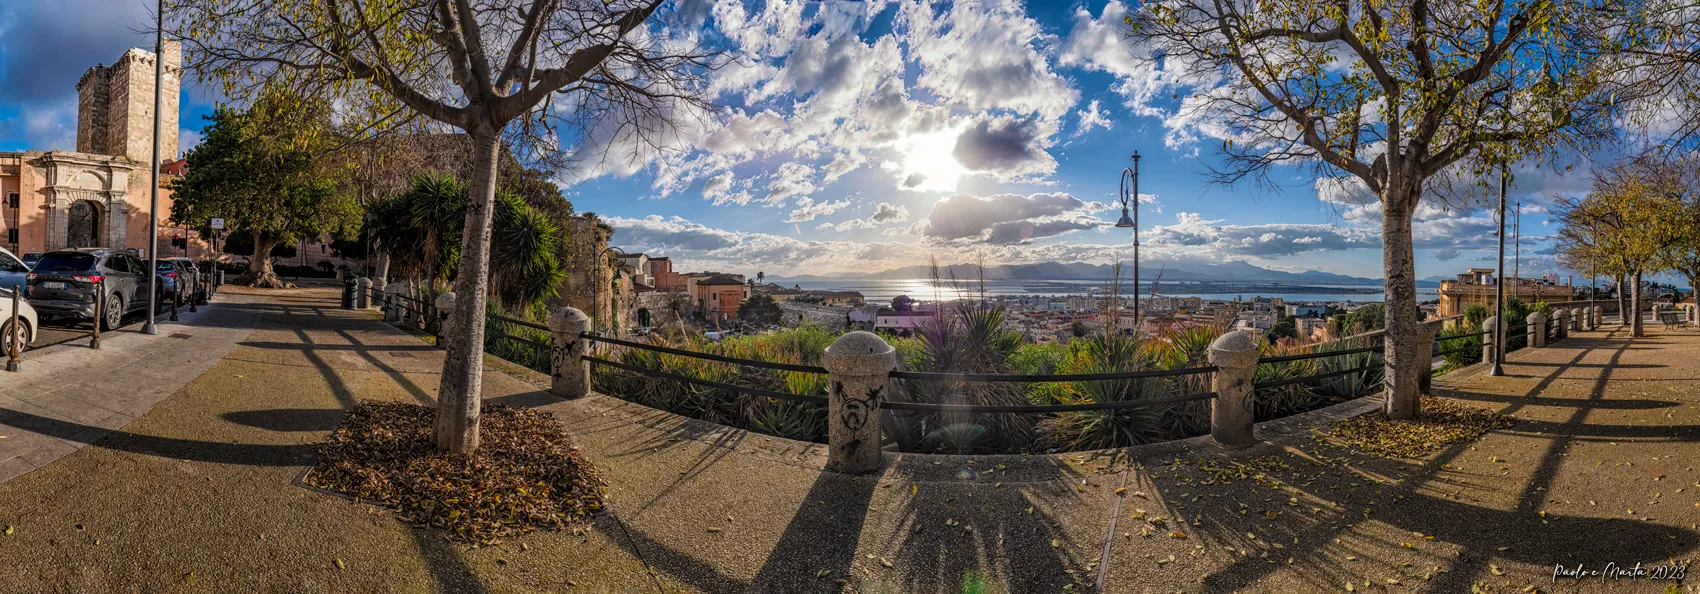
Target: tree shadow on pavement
1326,514
165,447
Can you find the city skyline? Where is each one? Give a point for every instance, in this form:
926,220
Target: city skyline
875,135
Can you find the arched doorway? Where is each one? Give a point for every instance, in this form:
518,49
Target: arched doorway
84,224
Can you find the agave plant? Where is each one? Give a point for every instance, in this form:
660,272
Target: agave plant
967,338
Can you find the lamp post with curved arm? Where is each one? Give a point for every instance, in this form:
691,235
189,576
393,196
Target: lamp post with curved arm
1130,200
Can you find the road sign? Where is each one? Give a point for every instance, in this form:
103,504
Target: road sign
218,223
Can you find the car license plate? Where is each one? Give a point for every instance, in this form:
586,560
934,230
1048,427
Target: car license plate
51,285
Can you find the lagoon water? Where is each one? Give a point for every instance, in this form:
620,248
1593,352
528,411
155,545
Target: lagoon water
883,290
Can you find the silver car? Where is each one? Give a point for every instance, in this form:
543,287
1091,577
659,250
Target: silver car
12,270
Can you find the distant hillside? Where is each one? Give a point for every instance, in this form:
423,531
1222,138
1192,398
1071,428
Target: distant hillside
1240,272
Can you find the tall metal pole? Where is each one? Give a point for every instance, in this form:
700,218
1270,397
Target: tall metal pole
153,208
1135,204
1499,286
1517,242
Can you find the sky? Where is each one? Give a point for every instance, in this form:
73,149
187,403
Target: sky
866,135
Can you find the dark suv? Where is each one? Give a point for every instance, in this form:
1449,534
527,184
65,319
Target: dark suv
63,284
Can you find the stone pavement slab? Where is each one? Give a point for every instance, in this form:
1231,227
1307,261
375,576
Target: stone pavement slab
66,397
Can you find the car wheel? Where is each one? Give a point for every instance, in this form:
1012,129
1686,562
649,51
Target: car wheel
110,316
6,339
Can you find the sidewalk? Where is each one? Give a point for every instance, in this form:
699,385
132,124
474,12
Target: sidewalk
66,397
198,494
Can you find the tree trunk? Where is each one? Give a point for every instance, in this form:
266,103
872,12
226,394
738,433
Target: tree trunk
460,394
1635,324
260,269
1406,357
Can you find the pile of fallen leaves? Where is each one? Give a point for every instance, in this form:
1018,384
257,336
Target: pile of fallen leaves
523,477
1441,422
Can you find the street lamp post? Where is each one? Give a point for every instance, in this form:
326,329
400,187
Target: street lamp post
1130,200
1499,285
153,208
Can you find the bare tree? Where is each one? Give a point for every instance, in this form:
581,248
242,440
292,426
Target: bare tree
1385,97
534,71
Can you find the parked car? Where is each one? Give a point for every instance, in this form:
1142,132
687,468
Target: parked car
177,279
193,270
63,284
27,322
30,258
12,270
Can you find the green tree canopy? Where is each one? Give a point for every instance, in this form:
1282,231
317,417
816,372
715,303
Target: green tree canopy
760,309
263,171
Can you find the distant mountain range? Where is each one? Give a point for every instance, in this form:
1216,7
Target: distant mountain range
1237,272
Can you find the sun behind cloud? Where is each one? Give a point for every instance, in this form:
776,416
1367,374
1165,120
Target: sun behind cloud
929,157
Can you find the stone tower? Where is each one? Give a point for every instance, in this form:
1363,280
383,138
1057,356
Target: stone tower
115,106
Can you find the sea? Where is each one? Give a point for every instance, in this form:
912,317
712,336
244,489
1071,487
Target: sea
883,290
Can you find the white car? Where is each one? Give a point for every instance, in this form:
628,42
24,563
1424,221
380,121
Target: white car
26,319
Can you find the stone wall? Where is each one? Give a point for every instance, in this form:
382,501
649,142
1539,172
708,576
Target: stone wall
130,105
821,315
588,237
93,104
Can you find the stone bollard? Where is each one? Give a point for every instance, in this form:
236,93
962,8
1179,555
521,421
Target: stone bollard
858,365
569,373
1494,329
1537,330
445,304
1235,356
1599,317
1587,319
393,302
363,293
1561,322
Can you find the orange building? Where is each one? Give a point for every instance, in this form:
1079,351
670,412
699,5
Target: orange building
718,297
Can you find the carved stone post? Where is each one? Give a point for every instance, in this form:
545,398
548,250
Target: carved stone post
569,373
1494,330
393,303
1599,316
1587,318
1563,324
363,293
858,364
1537,329
1235,356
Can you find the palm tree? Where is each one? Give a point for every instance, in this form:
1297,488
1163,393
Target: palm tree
421,232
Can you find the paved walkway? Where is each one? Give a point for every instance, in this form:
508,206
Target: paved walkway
198,493
67,396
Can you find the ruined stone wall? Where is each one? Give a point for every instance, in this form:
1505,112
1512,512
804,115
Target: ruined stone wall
587,239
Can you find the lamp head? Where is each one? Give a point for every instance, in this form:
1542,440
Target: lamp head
1125,221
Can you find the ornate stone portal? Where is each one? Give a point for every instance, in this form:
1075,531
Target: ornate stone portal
87,199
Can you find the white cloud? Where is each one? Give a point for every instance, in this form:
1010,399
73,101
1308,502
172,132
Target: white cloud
884,213
1091,118
792,179
1005,218
986,56
807,209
